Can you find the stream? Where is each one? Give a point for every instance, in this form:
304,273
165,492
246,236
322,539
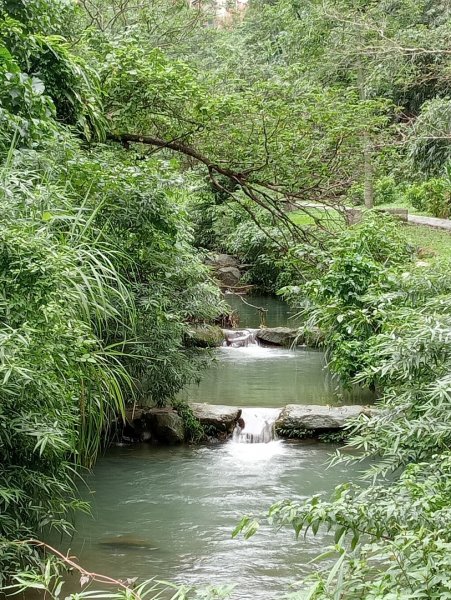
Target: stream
168,512
269,376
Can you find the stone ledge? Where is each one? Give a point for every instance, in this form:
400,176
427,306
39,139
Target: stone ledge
316,418
165,426
216,416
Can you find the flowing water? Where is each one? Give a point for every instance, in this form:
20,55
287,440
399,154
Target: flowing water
256,426
262,376
169,512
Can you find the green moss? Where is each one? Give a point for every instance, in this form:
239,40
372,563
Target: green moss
193,428
205,336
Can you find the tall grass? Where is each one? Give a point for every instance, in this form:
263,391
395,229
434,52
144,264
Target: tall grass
61,386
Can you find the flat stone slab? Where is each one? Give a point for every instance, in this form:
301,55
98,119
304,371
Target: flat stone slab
279,336
220,417
318,418
430,222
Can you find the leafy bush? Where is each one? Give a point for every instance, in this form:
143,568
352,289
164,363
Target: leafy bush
433,196
140,206
96,304
43,84
61,384
253,246
386,191
361,260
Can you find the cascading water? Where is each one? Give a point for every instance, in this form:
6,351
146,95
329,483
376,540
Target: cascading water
256,426
240,338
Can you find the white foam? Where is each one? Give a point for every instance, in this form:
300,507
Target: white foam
257,426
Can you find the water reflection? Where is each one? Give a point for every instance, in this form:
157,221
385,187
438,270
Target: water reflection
270,377
278,314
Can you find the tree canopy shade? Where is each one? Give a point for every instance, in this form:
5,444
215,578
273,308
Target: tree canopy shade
280,140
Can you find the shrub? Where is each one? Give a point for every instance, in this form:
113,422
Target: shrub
139,205
433,196
386,191
392,534
61,385
360,261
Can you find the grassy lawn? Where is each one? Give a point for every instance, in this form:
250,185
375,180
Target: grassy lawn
436,241
310,215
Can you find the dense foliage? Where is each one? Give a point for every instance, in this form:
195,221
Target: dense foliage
267,127
100,283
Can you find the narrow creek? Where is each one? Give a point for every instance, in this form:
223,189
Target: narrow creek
168,512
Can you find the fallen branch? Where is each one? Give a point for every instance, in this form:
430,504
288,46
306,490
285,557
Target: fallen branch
86,576
260,192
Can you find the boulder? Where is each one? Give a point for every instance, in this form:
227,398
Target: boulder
226,269
165,425
216,417
229,276
205,336
315,418
279,336
219,261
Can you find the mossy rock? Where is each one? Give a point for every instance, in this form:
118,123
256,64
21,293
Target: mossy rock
205,336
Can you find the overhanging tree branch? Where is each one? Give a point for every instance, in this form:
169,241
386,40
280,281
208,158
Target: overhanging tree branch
252,189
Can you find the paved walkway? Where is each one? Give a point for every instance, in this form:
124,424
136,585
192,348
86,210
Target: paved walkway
413,219
430,222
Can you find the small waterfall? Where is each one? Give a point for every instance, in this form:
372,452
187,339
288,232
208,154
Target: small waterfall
256,426
240,338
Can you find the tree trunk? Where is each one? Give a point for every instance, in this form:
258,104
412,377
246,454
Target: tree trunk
368,172
368,193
